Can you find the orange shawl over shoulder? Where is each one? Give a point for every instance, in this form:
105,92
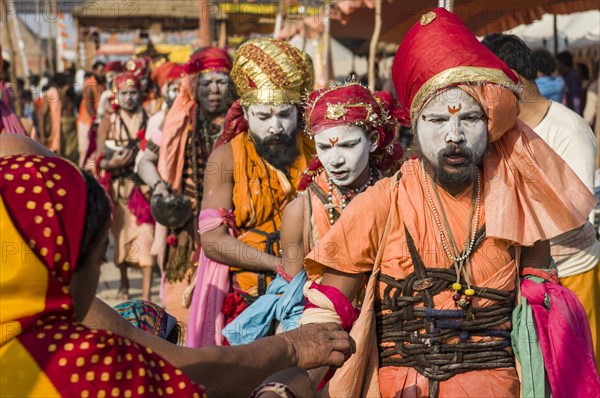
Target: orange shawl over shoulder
261,191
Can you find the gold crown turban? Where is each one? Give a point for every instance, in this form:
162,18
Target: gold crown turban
270,71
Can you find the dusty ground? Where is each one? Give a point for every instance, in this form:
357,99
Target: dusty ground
109,282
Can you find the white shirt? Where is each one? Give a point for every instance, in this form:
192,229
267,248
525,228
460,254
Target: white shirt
570,136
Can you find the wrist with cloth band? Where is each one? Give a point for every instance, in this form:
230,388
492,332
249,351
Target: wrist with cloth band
327,303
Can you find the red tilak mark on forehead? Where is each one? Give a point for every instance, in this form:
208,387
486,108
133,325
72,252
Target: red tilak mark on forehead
333,141
453,110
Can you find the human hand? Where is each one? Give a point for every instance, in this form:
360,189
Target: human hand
161,189
294,378
121,159
320,344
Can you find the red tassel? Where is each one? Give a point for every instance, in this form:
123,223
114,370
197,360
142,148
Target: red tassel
172,240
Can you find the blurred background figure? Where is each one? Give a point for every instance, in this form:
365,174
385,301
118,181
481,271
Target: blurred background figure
118,142
57,118
112,69
93,86
551,86
574,88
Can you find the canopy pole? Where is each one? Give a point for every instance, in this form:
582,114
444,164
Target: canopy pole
278,19
304,30
50,39
222,33
555,32
373,45
447,4
205,31
326,44
21,46
5,9
38,17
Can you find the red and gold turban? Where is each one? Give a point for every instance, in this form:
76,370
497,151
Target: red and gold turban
177,71
424,66
138,67
208,59
114,66
124,80
349,104
270,71
524,179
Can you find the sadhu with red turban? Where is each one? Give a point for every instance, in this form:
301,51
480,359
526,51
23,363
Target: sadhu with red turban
354,131
446,239
186,139
354,105
121,135
204,62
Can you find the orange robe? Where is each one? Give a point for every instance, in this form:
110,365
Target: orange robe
84,117
260,193
132,240
351,247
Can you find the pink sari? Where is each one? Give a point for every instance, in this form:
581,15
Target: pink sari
9,122
206,319
565,340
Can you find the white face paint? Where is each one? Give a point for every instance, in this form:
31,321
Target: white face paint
344,152
110,78
451,126
170,91
266,121
144,83
215,92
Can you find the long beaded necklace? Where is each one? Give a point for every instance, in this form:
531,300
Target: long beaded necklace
346,197
458,259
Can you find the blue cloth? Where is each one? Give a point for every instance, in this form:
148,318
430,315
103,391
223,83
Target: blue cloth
283,301
551,87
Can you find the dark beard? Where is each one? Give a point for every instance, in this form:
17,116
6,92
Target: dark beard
453,178
169,101
456,175
280,155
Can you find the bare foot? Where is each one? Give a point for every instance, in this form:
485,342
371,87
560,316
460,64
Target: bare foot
123,293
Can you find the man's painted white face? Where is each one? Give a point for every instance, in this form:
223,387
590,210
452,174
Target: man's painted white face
215,92
173,89
452,131
129,98
344,152
110,78
267,121
144,83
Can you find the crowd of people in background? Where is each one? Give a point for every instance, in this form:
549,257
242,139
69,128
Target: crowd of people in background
230,175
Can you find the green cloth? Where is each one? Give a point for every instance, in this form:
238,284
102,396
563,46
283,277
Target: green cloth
526,348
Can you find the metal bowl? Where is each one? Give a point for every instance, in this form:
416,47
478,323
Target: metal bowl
171,211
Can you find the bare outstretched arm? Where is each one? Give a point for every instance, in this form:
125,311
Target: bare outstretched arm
308,347
292,239
147,169
218,193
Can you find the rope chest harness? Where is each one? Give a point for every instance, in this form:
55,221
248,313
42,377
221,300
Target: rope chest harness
438,343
